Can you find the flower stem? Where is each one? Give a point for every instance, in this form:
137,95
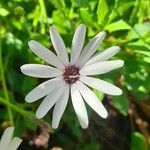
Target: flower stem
4,86
7,103
43,15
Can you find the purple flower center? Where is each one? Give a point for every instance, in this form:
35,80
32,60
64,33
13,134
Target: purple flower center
71,74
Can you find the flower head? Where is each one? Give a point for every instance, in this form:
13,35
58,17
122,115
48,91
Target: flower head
7,143
71,76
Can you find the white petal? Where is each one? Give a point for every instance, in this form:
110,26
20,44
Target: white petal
60,107
79,106
42,90
59,45
103,56
77,42
49,102
90,48
45,54
40,71
101,67
92,100
101,85
14,144
6,138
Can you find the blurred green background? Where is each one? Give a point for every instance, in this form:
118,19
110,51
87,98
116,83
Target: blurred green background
127,23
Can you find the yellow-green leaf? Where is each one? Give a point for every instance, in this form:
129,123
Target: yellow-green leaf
102,11
119,25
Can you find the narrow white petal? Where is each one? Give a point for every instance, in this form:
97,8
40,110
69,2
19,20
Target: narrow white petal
101,85
45,54
101,67
6,138
40,71
60,107
49,101
103,56
92,100
14,144
77,42
90,48
59,45
42,90
79,106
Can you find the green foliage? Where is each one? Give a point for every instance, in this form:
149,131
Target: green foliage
119,25
3,12
121,103
127,25
102,11
138,142
83,3
86,16
99,94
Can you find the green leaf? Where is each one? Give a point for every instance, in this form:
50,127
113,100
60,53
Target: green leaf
121,103
28,84
58,4
93,144
146,53
14,78
147,59
140,31
99,94
102,11
138,46
138,142
125,7
30,121
144,11
116,26
59,18
4,12
82,3
86,16
27,122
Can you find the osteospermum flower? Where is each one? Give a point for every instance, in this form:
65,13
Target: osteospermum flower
71,76
7,142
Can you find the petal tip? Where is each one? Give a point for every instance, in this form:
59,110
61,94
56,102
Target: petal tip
117,48
121,63
120,92
39,115
52,28
31,42
54,126
28,98
85,126
105,115
82,25
21,68
103,33
11,128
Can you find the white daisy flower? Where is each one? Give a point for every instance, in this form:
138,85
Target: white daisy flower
71,76
7,142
